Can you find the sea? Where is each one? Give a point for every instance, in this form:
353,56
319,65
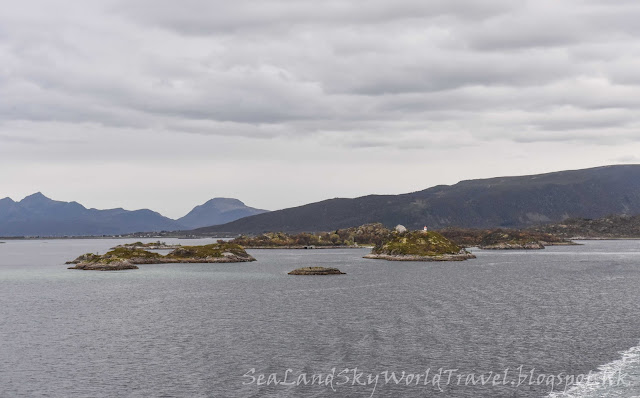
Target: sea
559,322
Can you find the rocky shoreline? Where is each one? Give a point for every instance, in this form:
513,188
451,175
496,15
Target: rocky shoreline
513,246
130,263
112,266
442,257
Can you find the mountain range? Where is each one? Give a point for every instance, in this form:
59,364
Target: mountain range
484,203
37,215
507,202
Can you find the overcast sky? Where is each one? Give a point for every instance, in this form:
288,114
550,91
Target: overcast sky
166,104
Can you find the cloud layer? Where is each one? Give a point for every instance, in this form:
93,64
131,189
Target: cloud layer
317,78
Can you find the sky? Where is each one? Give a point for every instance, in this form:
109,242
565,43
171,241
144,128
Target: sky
164,104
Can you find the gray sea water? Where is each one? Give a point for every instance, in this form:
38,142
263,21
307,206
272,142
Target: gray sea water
533,318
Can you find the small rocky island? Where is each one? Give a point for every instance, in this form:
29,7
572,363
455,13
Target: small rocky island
511,240
148,246
123,258
353,237
419,246
503,239
316,271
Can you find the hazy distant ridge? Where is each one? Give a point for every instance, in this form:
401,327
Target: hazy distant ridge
37,215
217,211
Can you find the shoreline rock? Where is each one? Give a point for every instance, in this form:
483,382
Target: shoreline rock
316,271
112,266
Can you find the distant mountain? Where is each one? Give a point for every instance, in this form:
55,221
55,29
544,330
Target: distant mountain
487,203
217,211
37,215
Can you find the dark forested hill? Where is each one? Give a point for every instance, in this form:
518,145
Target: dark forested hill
486,203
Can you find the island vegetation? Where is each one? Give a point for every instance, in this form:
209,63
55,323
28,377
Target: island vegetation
376,234
502,239
364,235
419,246
128,258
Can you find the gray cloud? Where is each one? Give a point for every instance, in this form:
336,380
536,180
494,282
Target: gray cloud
201,17
289,65
295,81
281,62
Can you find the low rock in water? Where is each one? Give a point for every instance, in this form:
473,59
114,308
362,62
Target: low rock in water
316,271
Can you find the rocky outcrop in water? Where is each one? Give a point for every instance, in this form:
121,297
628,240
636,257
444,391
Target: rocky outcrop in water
514,246
115,265
510,240
354,237
126,258
419,246
502,239
316,271
461,256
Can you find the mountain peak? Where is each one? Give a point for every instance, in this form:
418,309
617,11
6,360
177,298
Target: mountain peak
225,201
36,197
217,211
